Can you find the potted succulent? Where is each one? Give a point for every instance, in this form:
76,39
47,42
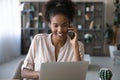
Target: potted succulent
105,74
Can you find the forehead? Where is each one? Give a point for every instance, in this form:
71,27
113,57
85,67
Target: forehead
59,18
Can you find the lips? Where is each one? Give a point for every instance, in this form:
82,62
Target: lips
60,34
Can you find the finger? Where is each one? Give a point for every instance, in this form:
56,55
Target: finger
72,30
73,27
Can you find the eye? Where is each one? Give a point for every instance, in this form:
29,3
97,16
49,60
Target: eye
55,25
65,25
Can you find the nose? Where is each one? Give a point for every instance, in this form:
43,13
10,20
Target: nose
59,29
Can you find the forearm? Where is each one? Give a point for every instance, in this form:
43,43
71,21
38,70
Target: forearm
30,74
76,55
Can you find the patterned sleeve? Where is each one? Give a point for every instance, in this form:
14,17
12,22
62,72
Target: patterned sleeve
29,60
81,49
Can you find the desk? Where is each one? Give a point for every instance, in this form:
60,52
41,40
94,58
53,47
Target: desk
116,55
87,58
92,73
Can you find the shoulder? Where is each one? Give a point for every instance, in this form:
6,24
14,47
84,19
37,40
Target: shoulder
40,36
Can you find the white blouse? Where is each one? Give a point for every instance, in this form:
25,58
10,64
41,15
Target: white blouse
42,50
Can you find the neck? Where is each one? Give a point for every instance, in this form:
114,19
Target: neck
57,42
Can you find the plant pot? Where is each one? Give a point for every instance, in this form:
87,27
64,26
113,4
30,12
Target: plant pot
105,74
111,49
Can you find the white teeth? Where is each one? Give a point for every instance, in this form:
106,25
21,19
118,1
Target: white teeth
60,34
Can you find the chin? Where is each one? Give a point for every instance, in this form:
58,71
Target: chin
61,37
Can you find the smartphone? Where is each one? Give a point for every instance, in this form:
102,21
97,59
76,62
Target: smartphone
71,34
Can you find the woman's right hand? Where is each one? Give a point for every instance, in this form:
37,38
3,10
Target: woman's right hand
29,74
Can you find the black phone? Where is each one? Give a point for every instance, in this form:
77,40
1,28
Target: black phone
71,34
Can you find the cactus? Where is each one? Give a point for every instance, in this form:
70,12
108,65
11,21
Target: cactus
105,74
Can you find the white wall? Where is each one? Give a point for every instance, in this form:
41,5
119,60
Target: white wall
9,30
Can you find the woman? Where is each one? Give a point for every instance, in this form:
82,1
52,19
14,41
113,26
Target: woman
57,46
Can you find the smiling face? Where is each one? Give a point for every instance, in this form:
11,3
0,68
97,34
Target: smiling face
59,26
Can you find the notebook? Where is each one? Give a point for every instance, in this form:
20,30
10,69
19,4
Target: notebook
64,70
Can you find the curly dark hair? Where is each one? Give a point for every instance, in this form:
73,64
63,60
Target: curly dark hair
54,7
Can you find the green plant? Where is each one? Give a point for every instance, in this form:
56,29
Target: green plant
117,12
111,30
111,34
105,74
88,37
108,34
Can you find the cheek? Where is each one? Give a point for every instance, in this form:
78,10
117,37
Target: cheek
65,30
53,30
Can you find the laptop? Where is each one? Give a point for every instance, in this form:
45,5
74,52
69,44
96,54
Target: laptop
64,70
